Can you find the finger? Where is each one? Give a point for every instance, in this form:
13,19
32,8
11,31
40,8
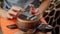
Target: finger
12,12
36,14
9,17
17,8
33,13
31,7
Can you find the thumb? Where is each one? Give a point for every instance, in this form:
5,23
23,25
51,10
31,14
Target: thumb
32,8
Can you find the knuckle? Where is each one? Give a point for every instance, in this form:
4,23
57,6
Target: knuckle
9,16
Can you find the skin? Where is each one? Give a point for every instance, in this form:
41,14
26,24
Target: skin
38,12
42,8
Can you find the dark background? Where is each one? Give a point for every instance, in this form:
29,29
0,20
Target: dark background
53,16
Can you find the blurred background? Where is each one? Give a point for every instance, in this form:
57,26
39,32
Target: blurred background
52,15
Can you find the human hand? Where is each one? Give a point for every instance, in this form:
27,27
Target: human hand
33,10
13,12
